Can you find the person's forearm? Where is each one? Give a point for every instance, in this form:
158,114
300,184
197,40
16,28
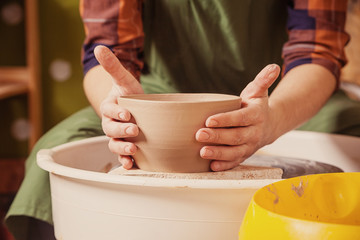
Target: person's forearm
299,96
97,84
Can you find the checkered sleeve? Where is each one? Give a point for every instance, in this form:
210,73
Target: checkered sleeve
316,34
116,24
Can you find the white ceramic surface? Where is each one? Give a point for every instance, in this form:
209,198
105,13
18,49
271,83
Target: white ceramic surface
90,204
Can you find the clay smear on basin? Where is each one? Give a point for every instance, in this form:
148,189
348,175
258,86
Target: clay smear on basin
299,190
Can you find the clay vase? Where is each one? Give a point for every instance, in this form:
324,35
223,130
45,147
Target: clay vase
168,124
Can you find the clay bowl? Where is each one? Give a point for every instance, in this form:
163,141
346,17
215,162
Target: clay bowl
168,124
319,206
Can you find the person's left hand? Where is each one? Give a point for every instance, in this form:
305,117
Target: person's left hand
242,132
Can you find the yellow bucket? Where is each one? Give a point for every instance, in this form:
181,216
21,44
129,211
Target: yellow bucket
321,206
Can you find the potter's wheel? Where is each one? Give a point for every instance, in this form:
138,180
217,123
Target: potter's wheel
255,167
292,167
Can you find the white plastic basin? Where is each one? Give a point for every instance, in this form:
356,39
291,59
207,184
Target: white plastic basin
90,204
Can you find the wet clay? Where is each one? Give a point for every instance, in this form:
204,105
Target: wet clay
168,124
237,173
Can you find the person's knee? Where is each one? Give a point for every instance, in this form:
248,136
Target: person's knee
29,228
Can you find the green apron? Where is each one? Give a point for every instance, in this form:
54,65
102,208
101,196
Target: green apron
210,46
190,46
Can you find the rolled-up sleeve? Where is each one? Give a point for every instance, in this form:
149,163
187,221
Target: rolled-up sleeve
116,24
316,34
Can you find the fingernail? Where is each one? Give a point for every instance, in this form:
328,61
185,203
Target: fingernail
128,149
207,152
203,135
212,123
272,67
122,116
130,130
271,71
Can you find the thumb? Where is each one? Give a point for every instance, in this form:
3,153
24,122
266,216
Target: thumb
112,65
259,86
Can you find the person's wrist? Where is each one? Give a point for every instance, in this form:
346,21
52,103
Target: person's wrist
275,123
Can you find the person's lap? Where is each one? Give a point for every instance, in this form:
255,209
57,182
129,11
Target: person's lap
31,207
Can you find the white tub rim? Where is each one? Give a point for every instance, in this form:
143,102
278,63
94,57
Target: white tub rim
46,162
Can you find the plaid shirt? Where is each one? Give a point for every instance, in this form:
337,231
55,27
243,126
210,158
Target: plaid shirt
316,34
315,29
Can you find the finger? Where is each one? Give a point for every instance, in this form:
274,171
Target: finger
225,153
121,147
126,162
259,86
242,117
114,129
227,136
112,65
114,111
223,165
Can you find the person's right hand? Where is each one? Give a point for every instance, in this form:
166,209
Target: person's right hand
115,119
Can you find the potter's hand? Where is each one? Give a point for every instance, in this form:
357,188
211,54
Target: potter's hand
241,132
115,119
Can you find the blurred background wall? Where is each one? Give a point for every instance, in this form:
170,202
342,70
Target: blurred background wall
61,36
